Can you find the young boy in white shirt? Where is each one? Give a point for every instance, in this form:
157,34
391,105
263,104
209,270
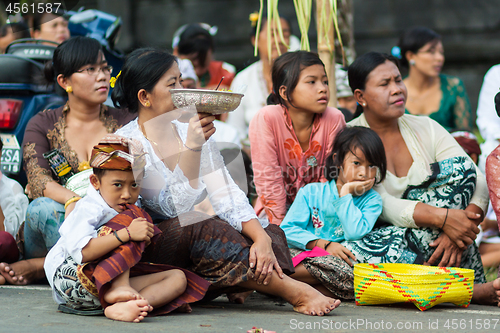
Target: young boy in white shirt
103,238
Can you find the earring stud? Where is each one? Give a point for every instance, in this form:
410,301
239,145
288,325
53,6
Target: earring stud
412,62
69,89
147,104
364,104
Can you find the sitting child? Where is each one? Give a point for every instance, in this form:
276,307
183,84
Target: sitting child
13,205
113,255
344,208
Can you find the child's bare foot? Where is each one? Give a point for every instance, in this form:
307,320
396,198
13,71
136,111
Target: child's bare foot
23,272
184,308
309,301
131,311
121,294
239,298
487,293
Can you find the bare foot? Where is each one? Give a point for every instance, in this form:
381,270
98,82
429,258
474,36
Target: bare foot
239,298
23,272
309,301
121,294
131,311
487,293
184,308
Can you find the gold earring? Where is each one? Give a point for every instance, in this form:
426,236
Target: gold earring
69,89
147,104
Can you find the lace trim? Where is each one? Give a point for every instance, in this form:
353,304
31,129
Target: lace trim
407,216
234,211
38,177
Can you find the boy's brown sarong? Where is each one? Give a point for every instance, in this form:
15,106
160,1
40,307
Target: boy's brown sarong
97,275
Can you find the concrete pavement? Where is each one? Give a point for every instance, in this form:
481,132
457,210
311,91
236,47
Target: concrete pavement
31,309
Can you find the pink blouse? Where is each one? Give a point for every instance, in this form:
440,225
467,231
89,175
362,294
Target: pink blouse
493,180
280,166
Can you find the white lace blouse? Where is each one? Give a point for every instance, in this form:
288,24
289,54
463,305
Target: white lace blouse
169,193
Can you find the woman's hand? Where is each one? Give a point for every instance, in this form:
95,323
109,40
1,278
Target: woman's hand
201,128
460,227
141,230
339,250
357,188
262,257
452,254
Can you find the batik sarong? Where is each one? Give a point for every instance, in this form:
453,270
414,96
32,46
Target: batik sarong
451,185
97,276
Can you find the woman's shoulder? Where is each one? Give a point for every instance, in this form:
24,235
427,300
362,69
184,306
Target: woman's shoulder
450,81
46,118
122,116
332,114
270,113
249,70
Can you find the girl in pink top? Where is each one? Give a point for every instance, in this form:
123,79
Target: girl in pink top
290,140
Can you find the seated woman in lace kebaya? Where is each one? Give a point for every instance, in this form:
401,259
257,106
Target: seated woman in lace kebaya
233,251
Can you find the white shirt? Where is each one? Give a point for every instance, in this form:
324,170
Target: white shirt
14,204
169,193
488,121
77,230
255,97
428,142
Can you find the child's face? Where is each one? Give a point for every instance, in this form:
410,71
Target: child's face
117,188
356,168
311,93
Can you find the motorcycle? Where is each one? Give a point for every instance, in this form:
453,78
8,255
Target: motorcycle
21,69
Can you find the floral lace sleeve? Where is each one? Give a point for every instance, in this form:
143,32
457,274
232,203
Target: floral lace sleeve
228,200
37,169
461,110
493,179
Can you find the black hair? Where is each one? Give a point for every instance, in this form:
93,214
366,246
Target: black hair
99,172
70,56
286,72
17,28
347,140
143,68
195,39
38,18
264,21
414,39
359,70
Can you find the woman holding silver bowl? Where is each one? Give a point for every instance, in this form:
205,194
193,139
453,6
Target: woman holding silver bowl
233,251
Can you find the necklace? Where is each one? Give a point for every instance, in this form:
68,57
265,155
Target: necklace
158,146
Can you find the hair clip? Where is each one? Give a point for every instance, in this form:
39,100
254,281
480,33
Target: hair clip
254,17
112,81
396,52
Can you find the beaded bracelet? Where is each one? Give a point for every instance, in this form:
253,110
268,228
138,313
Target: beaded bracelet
195,150
71,200
116,235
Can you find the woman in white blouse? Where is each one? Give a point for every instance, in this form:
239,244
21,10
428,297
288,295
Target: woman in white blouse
232,251
433,195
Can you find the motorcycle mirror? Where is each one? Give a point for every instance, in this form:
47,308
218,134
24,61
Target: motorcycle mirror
113,31
83,17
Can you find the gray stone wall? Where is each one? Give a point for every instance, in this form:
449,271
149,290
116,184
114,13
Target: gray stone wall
470,29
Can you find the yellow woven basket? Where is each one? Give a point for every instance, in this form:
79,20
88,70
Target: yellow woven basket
424,286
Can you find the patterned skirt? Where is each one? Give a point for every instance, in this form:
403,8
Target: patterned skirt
334,274
451,185
212,249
